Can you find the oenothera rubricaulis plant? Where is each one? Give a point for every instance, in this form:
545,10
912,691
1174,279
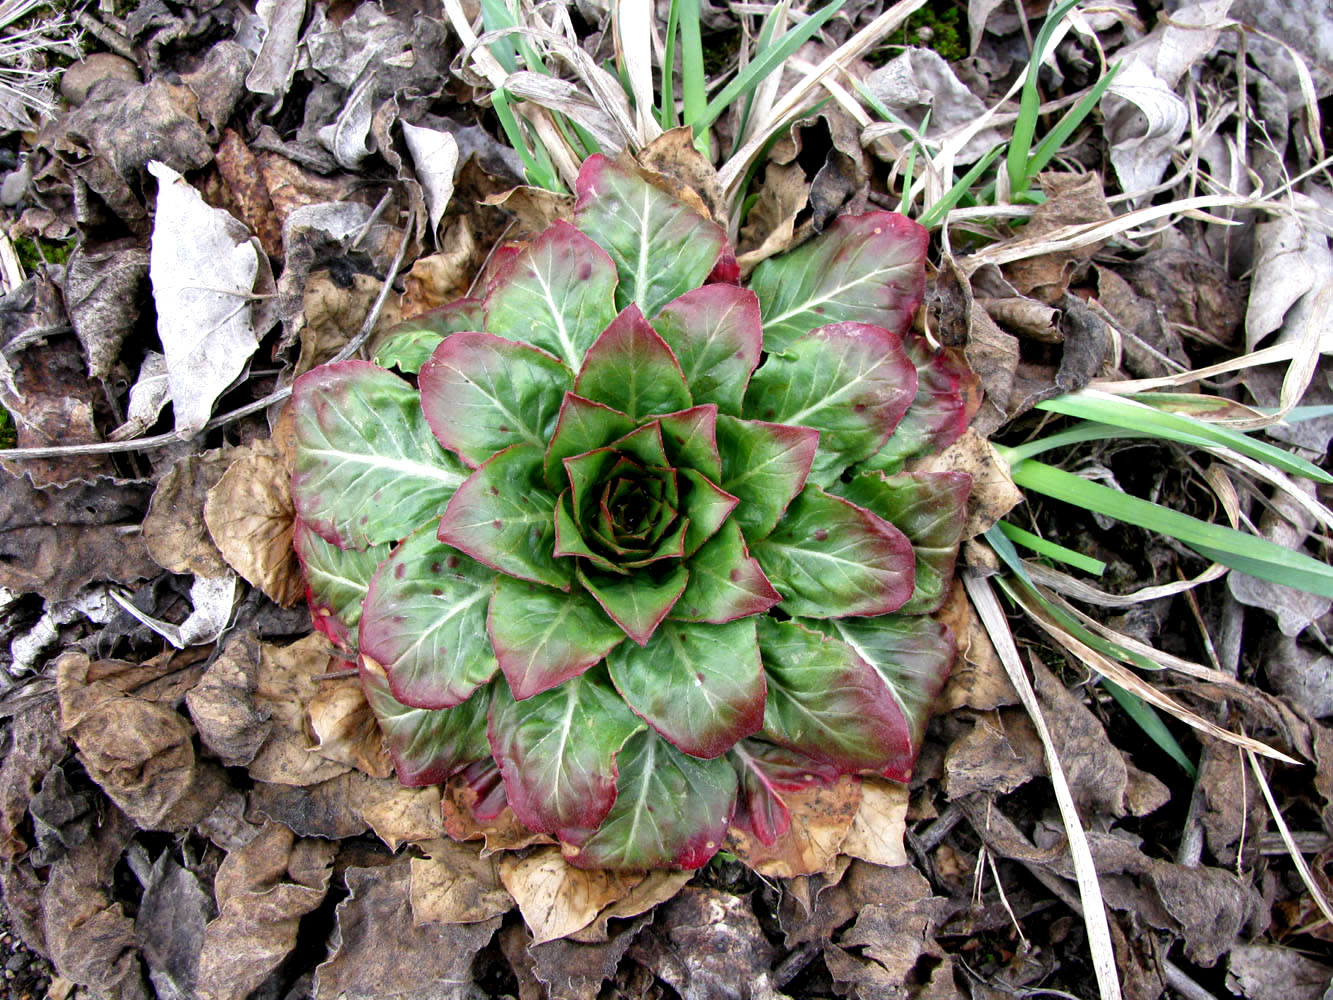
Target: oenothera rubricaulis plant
637,556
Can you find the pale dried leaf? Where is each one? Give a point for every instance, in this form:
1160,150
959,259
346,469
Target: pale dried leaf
821,817
435,157
454,885
877,829
250,518
148,396
345,729
557,899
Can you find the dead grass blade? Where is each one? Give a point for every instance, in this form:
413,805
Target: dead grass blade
1297,859
633,24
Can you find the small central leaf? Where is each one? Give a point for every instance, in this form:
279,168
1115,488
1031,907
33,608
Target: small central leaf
631,369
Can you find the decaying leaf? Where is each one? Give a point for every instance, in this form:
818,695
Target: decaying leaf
103,288
174,530
148,397
557,899
36,746
453,885
334,311
876,833
170,926
821,817
345,729
502,832
993,491
978,679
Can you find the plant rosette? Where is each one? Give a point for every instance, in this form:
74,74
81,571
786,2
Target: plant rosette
637,555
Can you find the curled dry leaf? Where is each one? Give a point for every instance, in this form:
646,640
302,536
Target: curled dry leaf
454,885
104,286
170,926
993,491
174,529
503,832
657,887
557,899
36,746
345,729
148,397
441,277
821,817
876,833
979,679
262,890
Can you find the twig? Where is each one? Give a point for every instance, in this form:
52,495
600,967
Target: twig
1183,984
112,39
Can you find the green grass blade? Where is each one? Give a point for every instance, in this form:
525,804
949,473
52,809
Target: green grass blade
1029,106
1058,136
1052,550
666,111
693,78
934,215
1147,719
761,45
495,16
536,163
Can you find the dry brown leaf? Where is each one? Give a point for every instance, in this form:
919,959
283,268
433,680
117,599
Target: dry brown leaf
770,225
444,276
240,170
657,887
291,186
36,745
821,816
454,885
993,491
673,156
504,833
334,309
1072,199
533,209
287,681
999,753
397,814
262,890
979,679
993,356
1026,317
345,729
876,833
330,810
223,707
174,528
249,515
557,899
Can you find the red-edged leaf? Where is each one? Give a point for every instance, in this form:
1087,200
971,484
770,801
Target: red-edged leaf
830,558
504,517
569,539
367,468
557,753
849,381
705,508
913,656
482,394
662,247
726,582
336,583
410,344
865,268
766,771
557,293
716,335
582,426
544,636
424,623
639,602
700,686
827,702
631,369
672,810
930,508
763,465
947,396
690,437
428,745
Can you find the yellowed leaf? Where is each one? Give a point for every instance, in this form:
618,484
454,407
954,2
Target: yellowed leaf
876,834
821,816
249,515
455,885
557,899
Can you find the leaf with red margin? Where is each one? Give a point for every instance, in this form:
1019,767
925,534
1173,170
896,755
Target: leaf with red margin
827,702
700,686
913,655
428,745
690,437
716,335
764,466
706,508
867,268
930,508
557,752
637,603
765,771
336,583
582,426
631,369
849,381
424,620
544,636
556,293
830,558
410,344
367,467
504,517
661,246
671,809
948,394
481,394
726,582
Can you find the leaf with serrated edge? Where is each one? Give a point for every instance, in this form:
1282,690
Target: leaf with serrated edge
913,655
865,268
428,745
557,753
367,467
502,516
765,771
700,686
716,335
849,381
631,369
726,582
930,508
662,248
336,583
556,293
582,426
544,636
409,345
482,394
671,809
764,466
422,621
637,603
827,702
830,558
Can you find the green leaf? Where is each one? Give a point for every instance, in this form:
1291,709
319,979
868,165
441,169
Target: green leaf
705,508
582,426
763,465
930,508
827,702
424,623
543,637
716,334
947,393
637,603
556,294
631,369
662,247
482,394
726,582
336,583
690,438
865,268
849,381
367,468
766,771
672,810
830,558
699,686
557,752
569,540
409,345
504,517
913,656
428,745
